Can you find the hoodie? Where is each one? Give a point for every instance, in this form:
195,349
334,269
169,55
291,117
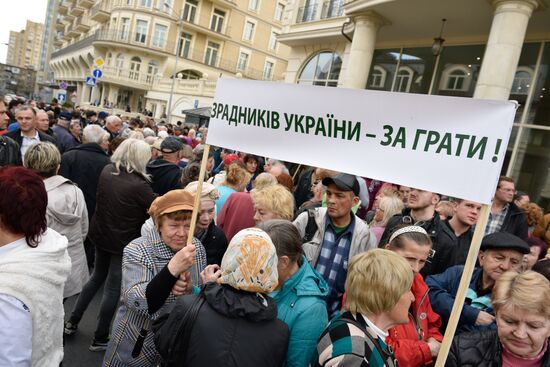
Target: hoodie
36,276
166,176
67,214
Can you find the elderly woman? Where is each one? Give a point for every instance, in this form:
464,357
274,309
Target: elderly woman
34,264
235,181
66,212
523,320
386,207
273,202
123,197
378,297
210,235
157,268
300,294
232,321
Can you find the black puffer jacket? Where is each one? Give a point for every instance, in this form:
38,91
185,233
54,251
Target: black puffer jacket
515,222
480,350
166,176
233,329
215,243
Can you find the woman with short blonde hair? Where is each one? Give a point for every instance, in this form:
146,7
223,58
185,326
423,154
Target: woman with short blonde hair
378,297
521,304
273,202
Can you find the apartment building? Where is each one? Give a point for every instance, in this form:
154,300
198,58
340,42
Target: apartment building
144,42
24,46
44,76
492,49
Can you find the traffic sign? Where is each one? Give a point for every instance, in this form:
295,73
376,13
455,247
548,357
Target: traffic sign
99,62
91,81
97,73
63,85
61,97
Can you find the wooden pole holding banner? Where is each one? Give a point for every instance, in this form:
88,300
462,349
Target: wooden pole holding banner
196,204
464,284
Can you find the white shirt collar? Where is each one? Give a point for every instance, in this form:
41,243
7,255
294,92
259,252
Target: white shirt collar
379,332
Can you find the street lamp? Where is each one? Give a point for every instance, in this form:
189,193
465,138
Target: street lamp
178,50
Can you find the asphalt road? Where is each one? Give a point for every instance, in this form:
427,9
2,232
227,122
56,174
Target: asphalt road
76,345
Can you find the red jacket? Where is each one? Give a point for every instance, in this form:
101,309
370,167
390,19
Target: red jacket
409,340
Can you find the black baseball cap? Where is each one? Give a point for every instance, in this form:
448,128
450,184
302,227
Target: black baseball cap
504,241
344,182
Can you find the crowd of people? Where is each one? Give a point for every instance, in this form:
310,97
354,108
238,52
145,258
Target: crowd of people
287,265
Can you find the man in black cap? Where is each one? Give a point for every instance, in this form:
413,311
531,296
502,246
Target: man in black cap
65,140
337,235
499,253
165,172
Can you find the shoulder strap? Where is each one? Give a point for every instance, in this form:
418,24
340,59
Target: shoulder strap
311,226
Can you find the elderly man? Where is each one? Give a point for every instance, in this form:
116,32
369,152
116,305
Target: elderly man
4,117
65,140
27,134
113,125
338,235
499,253
43,122
165,172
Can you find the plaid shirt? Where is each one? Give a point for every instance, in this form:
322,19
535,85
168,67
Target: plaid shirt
496,221
332,263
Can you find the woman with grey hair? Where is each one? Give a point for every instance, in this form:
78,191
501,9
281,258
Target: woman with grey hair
66,212
123,197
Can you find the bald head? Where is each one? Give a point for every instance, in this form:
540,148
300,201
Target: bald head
42,121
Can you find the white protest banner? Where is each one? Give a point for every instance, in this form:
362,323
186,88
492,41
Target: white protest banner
449,145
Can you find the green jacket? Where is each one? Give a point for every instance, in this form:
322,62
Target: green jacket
301,305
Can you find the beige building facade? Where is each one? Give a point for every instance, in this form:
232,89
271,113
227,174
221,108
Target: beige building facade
492,49
24,46
144,42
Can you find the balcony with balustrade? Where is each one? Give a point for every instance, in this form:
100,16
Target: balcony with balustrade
86,3
101,12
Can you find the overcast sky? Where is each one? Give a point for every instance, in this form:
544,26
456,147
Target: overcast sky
14,17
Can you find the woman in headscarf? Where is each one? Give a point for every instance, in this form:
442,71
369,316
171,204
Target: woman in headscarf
233,322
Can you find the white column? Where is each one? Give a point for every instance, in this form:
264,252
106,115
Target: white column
362,49
85,94
503,48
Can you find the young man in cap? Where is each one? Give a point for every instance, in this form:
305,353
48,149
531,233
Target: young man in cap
339,235
499,253
164,170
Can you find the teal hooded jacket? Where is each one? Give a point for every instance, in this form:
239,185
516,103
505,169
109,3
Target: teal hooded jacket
301,305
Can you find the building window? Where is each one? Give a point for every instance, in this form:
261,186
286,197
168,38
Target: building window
273,41
185,44
243,61
109,59
322,69
253,5
146,3
189,75
456,78
119,63
190,10
279,11
152,70
248,33
404,79
332,8
268,70
135,65
217,20
522,81
307,12
141,31
211,54
124,28
159,36
377,78
167,6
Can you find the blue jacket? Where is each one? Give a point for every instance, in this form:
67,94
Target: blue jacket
443,289
301,305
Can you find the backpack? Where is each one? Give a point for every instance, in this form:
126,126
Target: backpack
10,153
311,226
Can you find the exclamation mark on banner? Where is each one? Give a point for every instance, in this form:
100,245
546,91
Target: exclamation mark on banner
497,148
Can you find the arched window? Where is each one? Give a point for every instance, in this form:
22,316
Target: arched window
322,69
404,79
152,70
522,80
135,65
189,74
456,78
377,78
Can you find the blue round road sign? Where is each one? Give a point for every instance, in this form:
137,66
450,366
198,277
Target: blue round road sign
97,73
